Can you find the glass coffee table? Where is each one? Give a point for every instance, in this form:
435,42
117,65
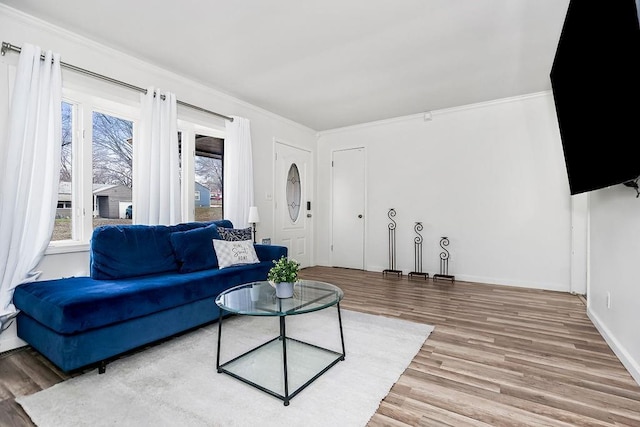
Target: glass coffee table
283,366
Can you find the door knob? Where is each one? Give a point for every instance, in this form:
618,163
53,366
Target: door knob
360,216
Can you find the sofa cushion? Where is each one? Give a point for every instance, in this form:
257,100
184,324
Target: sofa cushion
121,251
193,249
235,234
77,304
221,223
235,253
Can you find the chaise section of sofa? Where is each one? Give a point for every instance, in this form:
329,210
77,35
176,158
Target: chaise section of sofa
135,295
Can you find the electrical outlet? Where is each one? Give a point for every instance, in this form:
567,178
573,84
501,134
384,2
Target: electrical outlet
608,299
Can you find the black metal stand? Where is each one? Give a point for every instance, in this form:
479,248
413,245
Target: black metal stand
444,262
417,254
392,245
286,397
254,232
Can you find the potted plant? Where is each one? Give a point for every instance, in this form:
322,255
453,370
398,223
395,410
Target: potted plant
283,275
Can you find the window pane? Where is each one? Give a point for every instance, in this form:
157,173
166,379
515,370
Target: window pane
208,189
293,192
63,225
112,169
208,173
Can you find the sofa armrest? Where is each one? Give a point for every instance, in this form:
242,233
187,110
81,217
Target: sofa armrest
270,252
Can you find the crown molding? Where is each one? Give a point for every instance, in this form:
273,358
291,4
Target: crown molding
428,116
88,43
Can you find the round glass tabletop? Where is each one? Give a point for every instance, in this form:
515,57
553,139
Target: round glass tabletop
259,298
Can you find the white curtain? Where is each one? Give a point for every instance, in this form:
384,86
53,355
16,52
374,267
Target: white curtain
238,172
30,173
156,179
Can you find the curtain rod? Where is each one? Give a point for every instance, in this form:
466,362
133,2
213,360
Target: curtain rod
10,47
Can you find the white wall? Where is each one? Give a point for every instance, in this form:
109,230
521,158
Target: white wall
17,28
491,177
614,253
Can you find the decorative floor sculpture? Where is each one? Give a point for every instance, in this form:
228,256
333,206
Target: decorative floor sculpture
417,254
444,262
392,245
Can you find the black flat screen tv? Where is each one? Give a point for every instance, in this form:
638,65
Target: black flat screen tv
596,88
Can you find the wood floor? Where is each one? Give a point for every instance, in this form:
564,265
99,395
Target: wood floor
499,356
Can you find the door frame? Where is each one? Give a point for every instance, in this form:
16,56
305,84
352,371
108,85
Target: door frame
580,249
365,207
310,196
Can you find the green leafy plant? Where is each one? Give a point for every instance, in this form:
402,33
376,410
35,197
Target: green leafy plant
284,270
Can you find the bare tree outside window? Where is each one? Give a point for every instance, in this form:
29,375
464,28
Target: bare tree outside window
112,150
209,173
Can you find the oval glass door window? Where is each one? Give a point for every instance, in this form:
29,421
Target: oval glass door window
294,192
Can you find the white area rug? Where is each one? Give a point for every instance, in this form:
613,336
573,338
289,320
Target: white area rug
176,383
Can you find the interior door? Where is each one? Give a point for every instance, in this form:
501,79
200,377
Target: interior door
348,203
293,201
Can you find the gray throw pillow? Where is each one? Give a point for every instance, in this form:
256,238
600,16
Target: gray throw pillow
235,253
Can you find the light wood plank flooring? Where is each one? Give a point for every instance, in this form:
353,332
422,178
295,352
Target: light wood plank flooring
499,356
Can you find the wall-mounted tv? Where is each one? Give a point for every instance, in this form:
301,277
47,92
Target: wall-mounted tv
596,88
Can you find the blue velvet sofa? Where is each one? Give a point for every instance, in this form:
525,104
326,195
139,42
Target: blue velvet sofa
146,283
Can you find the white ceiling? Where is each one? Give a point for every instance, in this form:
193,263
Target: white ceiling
332,63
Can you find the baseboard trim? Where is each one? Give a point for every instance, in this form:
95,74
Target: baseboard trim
11,343
631,365
548,286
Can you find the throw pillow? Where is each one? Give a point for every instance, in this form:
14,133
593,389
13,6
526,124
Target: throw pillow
193,249
235,253
235,234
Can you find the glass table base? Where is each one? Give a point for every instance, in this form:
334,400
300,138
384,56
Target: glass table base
264,367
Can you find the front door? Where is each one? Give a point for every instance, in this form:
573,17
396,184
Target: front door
293,201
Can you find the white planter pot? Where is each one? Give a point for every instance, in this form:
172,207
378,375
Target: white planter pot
284,289
255,293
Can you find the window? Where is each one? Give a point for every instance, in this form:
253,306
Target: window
96,180
112,150
208,177
96,166
63,226
201,173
